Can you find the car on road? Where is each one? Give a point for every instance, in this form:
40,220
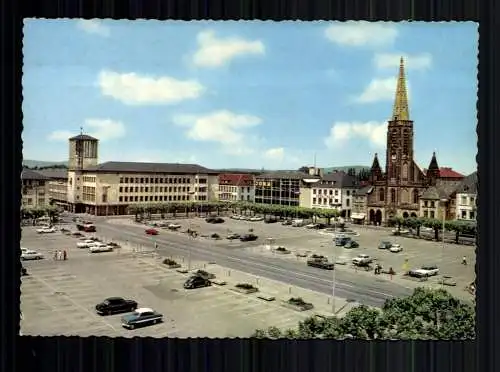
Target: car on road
46,230
400,232
425,271
384,245
256,218
270,220
396,248
114,245
87,243
321,262
351,244
151,232
362,260
115,305
100,247
141,317
298,223
232,236
173,226
286,223
236,217
197,281
248,238
30,254
214,220
342,240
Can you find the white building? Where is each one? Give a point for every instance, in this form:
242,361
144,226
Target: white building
466,197
236,187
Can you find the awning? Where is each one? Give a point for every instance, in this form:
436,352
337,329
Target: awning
358,216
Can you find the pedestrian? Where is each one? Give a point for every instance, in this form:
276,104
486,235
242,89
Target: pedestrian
55,255
59,255
464,260
65,255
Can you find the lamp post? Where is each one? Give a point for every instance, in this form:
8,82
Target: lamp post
443,211
333,279
190,235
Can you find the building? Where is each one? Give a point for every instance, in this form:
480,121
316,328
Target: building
279,188
57,186
360,204
466,198
397,190
236,187
330,191
439,199
34,189
110,188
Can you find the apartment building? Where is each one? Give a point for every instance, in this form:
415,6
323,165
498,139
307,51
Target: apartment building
57,186
279,188
330,191
236,187
360,204
34,189
111,187
466,198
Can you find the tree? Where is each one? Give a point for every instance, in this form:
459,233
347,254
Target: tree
428,314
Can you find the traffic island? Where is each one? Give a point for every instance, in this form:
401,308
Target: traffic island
298,304
245,288
171,264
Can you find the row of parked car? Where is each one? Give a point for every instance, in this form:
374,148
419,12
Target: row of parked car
94,245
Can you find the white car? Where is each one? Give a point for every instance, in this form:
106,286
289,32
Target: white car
87,243
395,248
46,230
362,259
311,226
236,217
256,218
425,271
100,247
29,254
174,226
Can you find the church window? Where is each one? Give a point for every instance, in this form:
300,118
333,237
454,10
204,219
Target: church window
405,171
415,196
381,194
393,195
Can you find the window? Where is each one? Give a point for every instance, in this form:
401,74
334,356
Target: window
336,192
314,200
330,192
432,204
120,199
426,214
472,215
393,196
314,191
464,215
472,200
431,214
463,200
415,196
146,189
104,198
126,179
142,180
348,192
426,203
347,202
141,198
325,201
121,189
121,179
125,198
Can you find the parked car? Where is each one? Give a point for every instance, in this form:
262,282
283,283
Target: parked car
114,245
30,255
236,217
197,281
425,271
298,223
173,226
141,317
46,230
87,243
256,218
351,244
400,232
395,248
384,245
321,263
248,238
151,232
341,240
286,223
312,226
362,260
270,220
204,274
100,247
114,305
233,236
214,220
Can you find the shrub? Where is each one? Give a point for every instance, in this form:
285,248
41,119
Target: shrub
244,286
318,256
296,301
215,236
169,262
281,249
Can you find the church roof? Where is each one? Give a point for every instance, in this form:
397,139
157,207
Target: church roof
401,110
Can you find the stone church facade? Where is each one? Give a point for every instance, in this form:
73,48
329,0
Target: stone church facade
397,189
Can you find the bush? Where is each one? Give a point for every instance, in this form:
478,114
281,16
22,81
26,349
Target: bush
297,301
244,286
315,256
215,236
282,249
169,262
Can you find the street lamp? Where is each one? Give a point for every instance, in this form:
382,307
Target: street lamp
190,235
443,207
333,279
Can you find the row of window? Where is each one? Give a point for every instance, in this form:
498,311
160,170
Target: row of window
231,188
325,201
160,189
464,201
326,192
289,202
174,180
88,179
234,197
393,198
429,214
29,201
467,215
276,194
158,198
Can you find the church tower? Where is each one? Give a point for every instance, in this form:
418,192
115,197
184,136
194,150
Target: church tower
433,171
399,156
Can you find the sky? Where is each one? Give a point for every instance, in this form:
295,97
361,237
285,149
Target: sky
272,95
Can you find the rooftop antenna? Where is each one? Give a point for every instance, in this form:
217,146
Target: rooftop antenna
81,130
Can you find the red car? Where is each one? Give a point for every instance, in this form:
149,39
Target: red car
151,232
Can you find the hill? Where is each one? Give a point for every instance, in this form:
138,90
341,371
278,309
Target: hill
39,163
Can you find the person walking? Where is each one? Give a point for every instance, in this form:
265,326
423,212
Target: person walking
65,255
464,260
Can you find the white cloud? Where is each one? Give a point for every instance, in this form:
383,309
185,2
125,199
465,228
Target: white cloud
223,126
102,129
342,132
412,62
381,90
135,89
362,34
93,26
215,52
277,153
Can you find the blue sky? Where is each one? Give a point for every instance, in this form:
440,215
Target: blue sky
248,94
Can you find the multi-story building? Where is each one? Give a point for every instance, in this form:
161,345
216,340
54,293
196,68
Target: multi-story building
279,188
466,198
35,192
330,191
398,190
236,187
57,186
109,188
360,204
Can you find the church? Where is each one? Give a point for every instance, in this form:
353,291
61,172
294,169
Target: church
397,190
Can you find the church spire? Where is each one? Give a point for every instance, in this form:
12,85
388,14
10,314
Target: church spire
375,164
400,110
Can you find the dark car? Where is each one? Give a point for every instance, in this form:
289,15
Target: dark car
114,245
151,232
141,317
197,281
385,245
341,241
286,223
321,226
24,272
270,220
233,236
321,263
214,220
351,244
248,238
115,305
